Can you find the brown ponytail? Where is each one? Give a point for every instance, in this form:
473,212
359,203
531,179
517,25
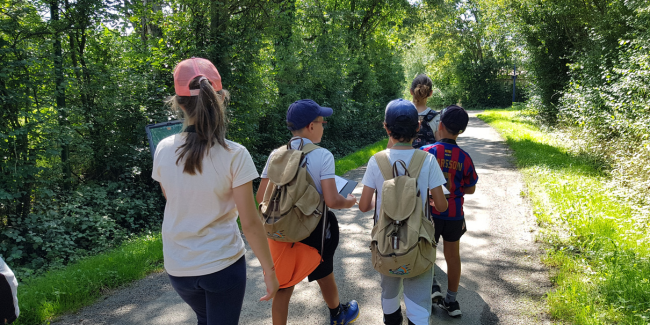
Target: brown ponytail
208,111
421,87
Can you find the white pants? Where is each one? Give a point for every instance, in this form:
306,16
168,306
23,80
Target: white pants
417,296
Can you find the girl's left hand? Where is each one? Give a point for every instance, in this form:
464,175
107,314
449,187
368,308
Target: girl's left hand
272,286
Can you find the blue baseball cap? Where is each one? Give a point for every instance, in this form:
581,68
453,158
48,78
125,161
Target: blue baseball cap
401,111
304,111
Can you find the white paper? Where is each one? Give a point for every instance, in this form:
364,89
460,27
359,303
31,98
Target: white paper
340,183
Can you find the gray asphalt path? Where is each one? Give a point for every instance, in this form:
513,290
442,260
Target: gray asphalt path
502,280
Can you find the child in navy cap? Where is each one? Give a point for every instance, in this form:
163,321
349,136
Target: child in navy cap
306,121
401,124
458,168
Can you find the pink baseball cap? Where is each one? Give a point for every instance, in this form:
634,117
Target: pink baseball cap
191,68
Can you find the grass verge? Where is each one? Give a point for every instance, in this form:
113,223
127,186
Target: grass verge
597,246
80,284
359,157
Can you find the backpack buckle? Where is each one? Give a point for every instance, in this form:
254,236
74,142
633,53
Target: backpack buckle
394,239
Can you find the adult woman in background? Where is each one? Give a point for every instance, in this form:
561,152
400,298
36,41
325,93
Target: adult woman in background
421,90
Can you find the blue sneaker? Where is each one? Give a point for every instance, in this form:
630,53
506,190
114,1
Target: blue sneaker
349,313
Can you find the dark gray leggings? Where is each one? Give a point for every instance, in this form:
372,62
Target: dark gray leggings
216,298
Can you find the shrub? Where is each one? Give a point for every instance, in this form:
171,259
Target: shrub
62,228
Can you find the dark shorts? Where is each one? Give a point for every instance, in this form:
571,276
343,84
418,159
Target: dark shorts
451,230
331,243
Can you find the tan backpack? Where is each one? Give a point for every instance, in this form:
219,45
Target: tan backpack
292,207
403,236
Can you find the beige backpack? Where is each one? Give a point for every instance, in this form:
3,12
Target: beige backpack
292,207
403,236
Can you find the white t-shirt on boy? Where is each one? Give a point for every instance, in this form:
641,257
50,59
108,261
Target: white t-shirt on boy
199,231
320,164
430,175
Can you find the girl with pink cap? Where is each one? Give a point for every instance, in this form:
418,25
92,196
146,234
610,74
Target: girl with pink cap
207,181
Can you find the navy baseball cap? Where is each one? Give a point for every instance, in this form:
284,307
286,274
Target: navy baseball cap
401,111
304,111
455,118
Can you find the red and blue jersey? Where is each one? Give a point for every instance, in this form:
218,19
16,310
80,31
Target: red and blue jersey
459,171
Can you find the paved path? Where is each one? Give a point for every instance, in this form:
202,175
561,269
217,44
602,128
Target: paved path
502,280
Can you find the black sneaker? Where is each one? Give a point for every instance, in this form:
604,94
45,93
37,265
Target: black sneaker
436,295
452,308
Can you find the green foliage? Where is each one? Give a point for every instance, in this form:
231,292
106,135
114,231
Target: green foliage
574,46
598,243
591,76
66,226
468,50
80,80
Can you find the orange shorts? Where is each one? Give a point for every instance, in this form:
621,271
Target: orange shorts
293,261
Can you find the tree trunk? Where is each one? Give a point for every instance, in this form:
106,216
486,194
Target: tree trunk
60,96
284,59
152,29
218,49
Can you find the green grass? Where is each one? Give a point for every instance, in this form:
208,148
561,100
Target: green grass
359,158
597,247
80,284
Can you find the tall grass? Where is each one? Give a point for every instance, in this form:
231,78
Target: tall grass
79,284
598,246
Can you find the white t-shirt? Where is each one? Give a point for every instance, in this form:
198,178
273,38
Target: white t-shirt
320,164
430,175
200,232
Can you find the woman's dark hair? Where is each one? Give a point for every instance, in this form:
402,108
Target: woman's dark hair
208,111
403,129
421,87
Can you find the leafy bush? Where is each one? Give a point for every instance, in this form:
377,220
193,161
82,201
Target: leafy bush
62,228
591,75
610,107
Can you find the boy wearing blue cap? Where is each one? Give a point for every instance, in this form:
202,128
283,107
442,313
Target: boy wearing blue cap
402,125
461,179
305,120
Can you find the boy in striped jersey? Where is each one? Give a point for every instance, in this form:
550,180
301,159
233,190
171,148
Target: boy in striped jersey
458,169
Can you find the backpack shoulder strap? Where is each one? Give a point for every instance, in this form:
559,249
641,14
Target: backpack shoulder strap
309,147
417,161
384,165
430,115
